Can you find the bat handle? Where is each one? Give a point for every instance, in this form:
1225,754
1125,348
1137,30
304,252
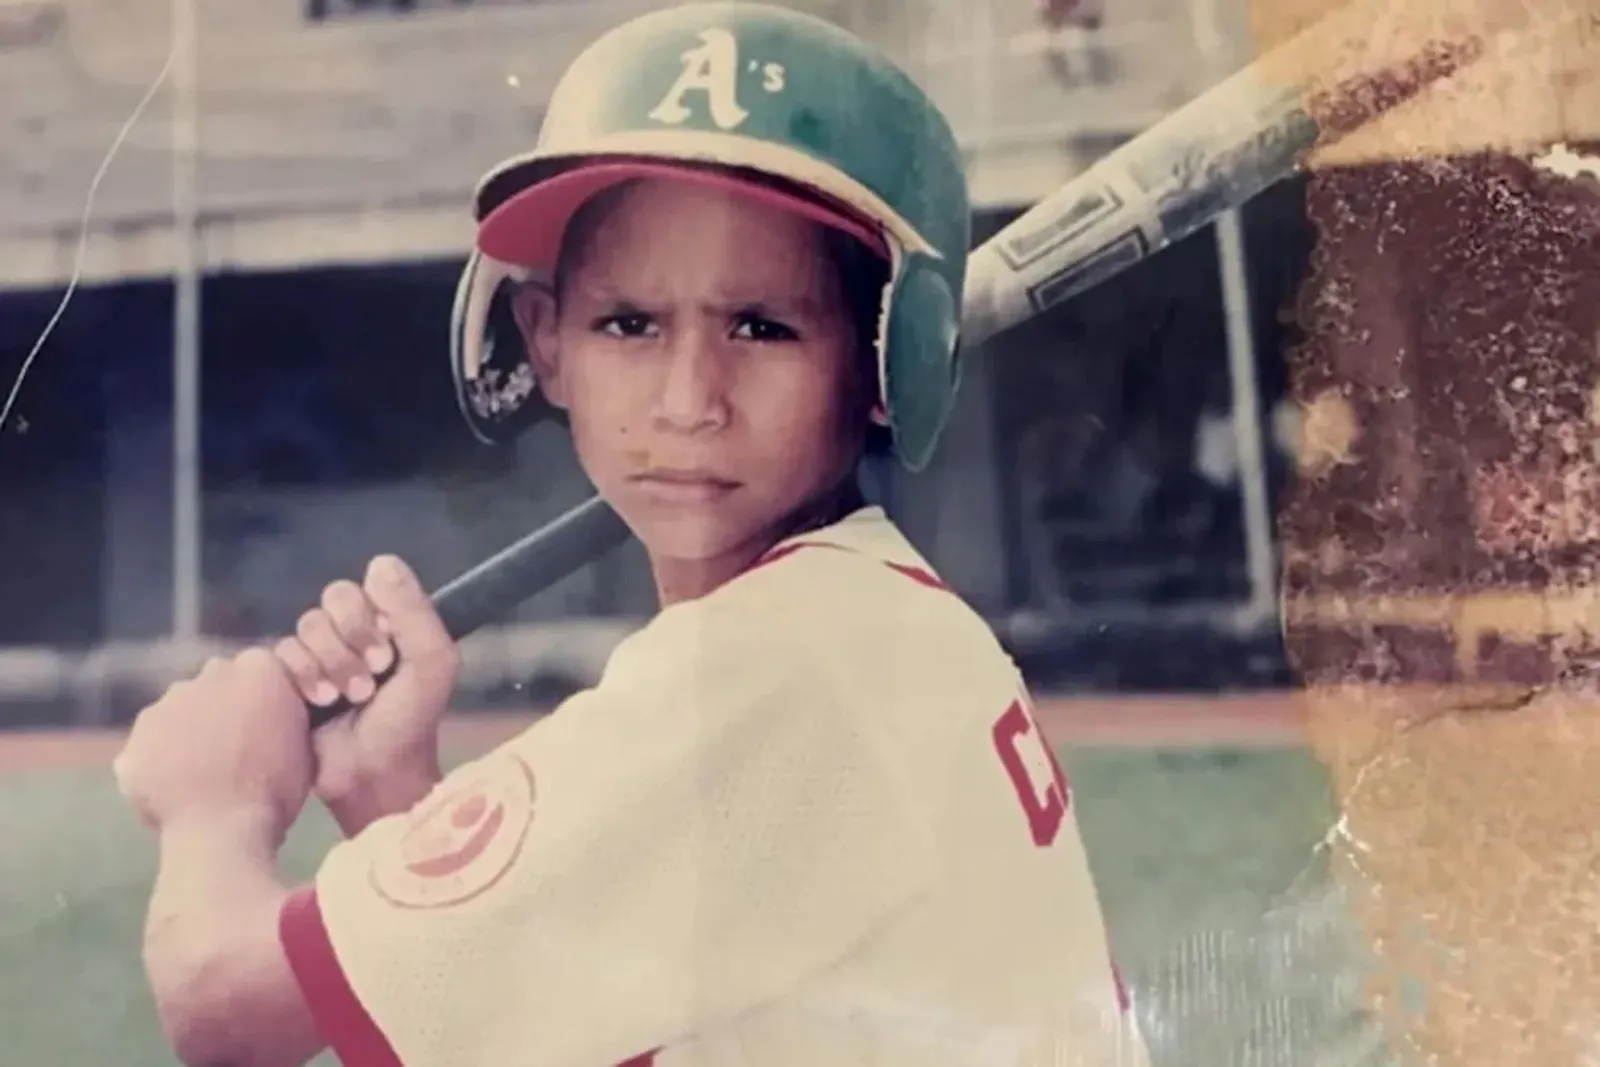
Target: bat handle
528,566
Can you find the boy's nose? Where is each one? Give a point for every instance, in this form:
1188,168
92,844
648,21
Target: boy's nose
693,395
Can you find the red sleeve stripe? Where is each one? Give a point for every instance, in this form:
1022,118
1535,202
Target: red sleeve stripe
344,1023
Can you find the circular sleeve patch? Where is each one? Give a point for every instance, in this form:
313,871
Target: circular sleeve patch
462,840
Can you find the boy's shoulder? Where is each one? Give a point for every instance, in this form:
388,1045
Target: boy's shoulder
858,586
861,564
852,610
860,577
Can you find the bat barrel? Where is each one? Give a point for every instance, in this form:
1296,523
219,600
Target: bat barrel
1222,149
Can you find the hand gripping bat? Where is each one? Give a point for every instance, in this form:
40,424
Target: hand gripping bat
1216,153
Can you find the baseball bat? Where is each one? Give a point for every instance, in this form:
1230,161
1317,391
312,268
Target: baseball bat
1216,153
1219,151
529,565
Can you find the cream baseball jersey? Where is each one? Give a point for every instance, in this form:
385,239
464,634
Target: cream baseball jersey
808,819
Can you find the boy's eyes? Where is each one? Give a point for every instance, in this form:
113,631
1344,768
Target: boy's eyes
749,327
629,324
746,327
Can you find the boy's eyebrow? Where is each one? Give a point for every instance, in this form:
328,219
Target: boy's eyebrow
805,304
783,305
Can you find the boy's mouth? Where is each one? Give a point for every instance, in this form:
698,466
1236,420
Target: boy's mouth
684,484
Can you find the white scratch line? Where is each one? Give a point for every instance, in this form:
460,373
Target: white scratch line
85,220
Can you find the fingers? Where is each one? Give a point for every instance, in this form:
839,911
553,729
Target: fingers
357,621
428,655
359,632
339,648
310,680
418,632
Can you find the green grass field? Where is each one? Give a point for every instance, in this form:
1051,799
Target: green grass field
1192,850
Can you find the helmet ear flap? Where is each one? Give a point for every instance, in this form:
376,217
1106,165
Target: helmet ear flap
921,336
495,386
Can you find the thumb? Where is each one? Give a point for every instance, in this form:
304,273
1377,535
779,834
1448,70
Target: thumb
420,639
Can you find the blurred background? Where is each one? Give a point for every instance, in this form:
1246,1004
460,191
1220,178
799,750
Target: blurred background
242,221
247,396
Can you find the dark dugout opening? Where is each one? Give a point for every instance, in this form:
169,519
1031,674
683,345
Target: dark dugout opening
1116,526
334,381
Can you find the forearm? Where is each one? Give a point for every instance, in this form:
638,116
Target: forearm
219,977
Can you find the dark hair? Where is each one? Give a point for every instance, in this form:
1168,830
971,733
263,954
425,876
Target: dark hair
863,276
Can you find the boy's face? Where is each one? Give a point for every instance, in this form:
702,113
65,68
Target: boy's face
704,353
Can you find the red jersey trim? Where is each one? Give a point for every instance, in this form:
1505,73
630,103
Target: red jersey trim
344,1023
916,574
1124,998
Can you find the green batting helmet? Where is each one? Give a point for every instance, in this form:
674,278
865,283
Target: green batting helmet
713,91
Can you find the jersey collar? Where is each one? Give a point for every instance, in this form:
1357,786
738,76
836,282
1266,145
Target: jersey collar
867,531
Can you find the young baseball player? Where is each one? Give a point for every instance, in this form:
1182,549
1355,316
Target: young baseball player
806,816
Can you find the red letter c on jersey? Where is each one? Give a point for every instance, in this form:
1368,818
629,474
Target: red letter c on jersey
1044,802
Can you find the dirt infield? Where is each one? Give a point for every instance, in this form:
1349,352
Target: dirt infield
1250,720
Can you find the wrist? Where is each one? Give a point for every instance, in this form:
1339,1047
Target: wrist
365,797
257,829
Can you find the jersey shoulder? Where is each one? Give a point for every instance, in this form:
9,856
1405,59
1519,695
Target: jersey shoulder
860,590
851,609
859,568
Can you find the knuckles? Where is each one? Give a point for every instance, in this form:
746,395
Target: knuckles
250,668
312,623
257,661
344,595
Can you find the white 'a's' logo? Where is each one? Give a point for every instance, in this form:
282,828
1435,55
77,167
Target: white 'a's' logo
713,68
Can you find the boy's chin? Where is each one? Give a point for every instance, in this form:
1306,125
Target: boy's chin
688,534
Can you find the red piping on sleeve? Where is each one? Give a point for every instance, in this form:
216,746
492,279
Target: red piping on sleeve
344,1023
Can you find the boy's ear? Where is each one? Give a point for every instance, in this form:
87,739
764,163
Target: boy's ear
534,307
